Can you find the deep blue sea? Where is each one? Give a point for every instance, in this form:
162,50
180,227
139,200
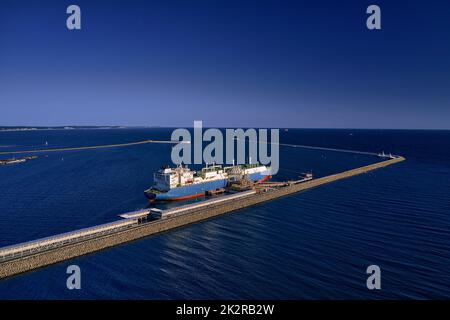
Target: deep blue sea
312,245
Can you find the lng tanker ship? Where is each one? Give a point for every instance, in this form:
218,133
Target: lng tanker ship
181,183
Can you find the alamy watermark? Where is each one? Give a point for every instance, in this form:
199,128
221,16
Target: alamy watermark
191,151
74,280
373,22
374,280
73,22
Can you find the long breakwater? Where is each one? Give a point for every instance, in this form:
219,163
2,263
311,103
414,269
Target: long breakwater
118,145
85,243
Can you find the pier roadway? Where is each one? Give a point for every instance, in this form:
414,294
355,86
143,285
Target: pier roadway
67,251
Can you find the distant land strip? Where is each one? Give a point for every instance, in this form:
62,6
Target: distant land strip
89,147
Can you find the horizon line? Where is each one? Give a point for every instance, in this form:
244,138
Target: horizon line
67,127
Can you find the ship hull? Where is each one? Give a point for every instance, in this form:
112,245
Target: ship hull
197,190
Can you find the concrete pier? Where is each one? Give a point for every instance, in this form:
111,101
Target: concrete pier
38,260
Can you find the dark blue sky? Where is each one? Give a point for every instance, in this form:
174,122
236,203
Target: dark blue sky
229,63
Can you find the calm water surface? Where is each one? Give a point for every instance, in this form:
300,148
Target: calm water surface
312,245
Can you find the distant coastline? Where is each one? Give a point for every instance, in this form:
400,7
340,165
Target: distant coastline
286,129
37,128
